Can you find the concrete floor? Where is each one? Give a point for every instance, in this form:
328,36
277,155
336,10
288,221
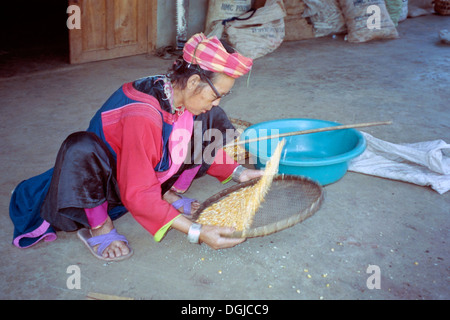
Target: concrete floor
365,220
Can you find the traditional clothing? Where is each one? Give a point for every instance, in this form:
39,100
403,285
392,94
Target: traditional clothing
127,158
137,147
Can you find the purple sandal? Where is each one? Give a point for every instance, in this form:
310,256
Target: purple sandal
103,241
186,204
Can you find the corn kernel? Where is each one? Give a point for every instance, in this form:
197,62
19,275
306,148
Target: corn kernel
238,208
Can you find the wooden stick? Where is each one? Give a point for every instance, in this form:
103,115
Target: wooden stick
296,133
101,296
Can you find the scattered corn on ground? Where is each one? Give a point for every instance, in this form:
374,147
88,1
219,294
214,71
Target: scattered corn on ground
238,208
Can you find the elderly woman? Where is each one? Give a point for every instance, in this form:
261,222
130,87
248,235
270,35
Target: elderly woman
137,156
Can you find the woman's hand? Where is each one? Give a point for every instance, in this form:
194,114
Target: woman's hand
249,174
215,237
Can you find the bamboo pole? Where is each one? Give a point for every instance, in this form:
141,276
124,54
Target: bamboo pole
301,132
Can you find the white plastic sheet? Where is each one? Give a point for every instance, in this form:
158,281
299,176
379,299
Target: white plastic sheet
423,163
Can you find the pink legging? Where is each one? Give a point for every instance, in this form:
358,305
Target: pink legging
98,215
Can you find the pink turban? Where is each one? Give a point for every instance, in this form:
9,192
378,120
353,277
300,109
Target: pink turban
210,54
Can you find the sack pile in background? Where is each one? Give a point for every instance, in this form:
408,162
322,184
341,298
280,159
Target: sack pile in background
258,27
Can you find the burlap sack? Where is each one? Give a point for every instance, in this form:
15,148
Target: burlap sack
219,10
357,17
326,17
258,33
296,26
394,8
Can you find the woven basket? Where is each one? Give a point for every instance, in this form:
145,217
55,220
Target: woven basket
238,153
442,7
290,200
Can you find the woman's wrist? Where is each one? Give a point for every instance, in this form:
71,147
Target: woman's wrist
194,233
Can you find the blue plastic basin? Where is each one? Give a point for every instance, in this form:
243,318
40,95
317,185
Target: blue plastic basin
322,156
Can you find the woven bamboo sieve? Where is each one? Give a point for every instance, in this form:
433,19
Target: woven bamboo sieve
237,152
442,7
290,200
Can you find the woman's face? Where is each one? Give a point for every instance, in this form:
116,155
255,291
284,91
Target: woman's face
200,97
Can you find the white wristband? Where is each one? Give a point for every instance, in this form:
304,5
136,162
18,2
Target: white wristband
194,233
237,173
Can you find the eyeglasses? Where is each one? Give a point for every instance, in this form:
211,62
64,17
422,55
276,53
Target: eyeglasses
218,95
203,76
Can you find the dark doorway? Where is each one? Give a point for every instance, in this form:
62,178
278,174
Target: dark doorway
34,36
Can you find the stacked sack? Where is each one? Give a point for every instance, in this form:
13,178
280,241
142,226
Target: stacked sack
362,20
271,22
253,33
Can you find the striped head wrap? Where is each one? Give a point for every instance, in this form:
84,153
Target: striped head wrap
210,54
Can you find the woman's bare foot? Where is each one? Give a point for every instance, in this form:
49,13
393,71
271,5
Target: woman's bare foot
171,197
116,248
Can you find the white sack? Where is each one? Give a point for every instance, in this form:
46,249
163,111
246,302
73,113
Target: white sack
422,163
326,16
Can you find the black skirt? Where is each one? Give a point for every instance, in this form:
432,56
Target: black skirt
84,176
